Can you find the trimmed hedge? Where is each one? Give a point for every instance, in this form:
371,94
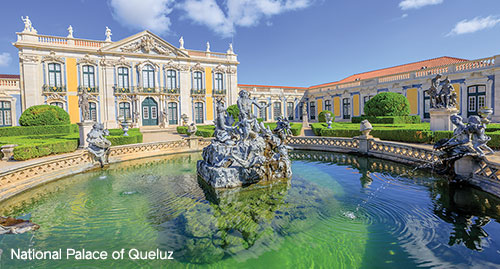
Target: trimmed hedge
415,119
116,137
208,130
387,104
322,116
44,115
25,152
38,130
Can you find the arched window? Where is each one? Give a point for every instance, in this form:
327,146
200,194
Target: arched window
123,78
5,114
172,113
88,76
171,79
312,110
197,80
218,82
198,112
55,75
59,104
93,111
277,110
290,110
124,110
262,111
148,77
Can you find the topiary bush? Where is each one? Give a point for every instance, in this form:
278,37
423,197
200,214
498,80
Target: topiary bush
322,116
44,115
387,104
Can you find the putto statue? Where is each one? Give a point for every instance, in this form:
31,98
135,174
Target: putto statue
98,144
444,98
245,152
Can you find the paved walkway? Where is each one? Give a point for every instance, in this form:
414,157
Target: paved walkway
160,134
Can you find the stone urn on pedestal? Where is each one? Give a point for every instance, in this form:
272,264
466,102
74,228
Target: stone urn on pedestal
125,124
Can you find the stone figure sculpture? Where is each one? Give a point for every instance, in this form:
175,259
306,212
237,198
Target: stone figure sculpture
10,225
108,34
208,46
477,128
84,104
192,129
163,119
304,112
328,118
98,144
365,128
28,27
70,31
247,152
446,97
185,119
181,43
433,90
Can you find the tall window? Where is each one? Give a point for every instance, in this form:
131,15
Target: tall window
198,112
262,111
123,77
171,79
476,99
328,105
346,108
289,110
59,104
312,110
172,113
427,105
93,111
197,80
55,75
88,76
219,84
277,110
5,114
148,77
124,110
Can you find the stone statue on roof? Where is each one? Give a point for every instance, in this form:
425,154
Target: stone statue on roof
181,42
108,34
28,27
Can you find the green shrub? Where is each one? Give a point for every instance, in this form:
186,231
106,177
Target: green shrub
294,127
322,116
415,119
29,151
316,127
205,132
116,137
44,115
388,104
38,130
182,129
234,111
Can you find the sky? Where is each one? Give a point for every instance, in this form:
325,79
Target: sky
279,42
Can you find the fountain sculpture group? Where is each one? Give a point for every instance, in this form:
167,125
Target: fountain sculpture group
443,103
245,152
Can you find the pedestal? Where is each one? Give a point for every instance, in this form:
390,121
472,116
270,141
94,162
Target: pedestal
84,128
440,119
466,166
8,151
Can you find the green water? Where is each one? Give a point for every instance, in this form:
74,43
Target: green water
338,211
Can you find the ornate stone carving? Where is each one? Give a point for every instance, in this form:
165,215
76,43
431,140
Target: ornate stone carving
53,97
23,58
220,69
444,98
147,45
123,98
52,58
230,70
197,67
98,144
122,61
87,60
184,67
172,65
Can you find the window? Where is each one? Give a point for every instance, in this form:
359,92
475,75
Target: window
476,99
124,110
5,114
218,81
171,79
197,80
262,111
277,110
346,108
328,105
88,76
93,111
198,112
172,113
427,105
55,75
289,110
123,77
59,104
148,77
366,99
312,110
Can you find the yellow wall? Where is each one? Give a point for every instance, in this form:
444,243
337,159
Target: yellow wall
355,105
72,87
456,86
209,84
320,105
412,96
336,106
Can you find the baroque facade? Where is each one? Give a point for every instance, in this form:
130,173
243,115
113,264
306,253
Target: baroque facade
142,78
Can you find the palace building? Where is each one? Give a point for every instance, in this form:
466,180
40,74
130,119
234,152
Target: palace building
151,82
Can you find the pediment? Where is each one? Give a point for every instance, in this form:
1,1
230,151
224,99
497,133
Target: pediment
145,42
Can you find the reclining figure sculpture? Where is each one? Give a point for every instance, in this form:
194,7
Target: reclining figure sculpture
245,152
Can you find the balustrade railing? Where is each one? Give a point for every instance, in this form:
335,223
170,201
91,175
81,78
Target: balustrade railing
219,92
89,89
174,91
48,88
198,91
117,89
9,82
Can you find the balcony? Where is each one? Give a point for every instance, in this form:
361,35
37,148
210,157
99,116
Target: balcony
219,92
48,88
89,89
198,91
117,89
175,91
145,90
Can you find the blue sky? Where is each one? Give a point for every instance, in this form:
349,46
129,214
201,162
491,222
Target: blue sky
278,42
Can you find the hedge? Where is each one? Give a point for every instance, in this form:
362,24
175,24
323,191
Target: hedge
38,130
415,119
25,152
387,104
208,130
44,115
116,137
322,116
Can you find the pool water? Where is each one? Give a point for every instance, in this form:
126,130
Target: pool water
338,211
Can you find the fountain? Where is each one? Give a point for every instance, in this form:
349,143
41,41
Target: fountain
245,152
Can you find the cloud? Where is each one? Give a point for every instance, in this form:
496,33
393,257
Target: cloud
474,25
415,4
5,59
143,14
404,15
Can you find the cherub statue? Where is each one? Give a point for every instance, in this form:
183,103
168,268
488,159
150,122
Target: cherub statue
98,144
479,139
223,129
446,93
433,91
